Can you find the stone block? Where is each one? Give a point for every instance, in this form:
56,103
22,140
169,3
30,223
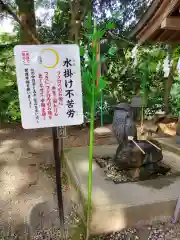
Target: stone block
117,206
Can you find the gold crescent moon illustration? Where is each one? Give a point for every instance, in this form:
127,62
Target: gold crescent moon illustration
56,54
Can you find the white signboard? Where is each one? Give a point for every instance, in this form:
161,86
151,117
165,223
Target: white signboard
49,84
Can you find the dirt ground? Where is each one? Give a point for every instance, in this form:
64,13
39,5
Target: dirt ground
76,136
26,181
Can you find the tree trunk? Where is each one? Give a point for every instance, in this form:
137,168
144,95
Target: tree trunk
75,21
28,20
78,11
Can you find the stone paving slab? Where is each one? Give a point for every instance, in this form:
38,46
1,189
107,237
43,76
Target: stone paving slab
118,206
170,144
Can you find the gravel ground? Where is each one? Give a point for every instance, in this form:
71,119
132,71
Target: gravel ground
72,220
112,173
157,231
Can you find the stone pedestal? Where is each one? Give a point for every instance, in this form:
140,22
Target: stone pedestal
178,139
178,132
170,144
103,132
119,206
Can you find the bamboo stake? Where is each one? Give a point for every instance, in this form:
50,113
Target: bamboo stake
131,139
91,138
153,144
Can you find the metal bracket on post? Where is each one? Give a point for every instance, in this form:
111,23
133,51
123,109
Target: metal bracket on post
62,132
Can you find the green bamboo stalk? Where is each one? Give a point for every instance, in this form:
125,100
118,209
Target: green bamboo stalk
101,93
91,140
102,122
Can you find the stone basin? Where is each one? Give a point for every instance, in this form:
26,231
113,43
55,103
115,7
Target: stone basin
123,205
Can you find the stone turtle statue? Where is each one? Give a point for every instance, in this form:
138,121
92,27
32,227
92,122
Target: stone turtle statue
131,157
133,153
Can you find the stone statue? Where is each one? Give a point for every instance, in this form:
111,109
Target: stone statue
123,125
133,153
131,157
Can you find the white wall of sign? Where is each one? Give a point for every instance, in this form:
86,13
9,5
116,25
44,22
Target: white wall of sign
49,85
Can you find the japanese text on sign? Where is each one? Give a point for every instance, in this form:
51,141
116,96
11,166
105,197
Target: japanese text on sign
69,87
49,85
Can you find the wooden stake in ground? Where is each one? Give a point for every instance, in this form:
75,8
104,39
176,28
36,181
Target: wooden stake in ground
58,157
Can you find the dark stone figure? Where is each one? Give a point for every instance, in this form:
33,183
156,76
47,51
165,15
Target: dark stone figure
123,125
132,157
128,155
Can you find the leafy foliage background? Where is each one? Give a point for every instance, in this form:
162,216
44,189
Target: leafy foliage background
120,73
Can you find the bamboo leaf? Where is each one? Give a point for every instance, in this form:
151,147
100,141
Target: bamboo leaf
110,26
82,51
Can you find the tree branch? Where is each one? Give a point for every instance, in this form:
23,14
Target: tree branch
121,38
6,8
